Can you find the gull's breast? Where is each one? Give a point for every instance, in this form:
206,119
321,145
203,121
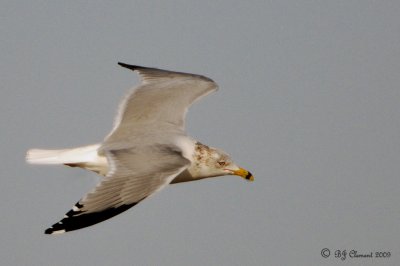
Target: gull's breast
197,153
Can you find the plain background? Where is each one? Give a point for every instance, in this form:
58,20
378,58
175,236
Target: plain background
308,101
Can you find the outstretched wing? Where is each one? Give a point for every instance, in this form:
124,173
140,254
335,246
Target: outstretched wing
135,174
160,101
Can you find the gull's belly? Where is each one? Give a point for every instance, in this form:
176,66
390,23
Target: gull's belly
189,174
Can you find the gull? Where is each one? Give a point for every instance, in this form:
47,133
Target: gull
146,150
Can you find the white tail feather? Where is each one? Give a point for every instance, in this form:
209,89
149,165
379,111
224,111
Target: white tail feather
83,154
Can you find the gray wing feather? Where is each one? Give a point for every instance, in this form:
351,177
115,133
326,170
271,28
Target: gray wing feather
160,102
135,174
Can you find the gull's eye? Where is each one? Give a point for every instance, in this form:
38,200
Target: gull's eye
222,163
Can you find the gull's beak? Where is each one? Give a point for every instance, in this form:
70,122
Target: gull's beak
244,174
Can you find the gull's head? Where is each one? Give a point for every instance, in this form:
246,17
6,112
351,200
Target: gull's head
215,162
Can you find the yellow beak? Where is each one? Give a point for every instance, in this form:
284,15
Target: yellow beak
244,174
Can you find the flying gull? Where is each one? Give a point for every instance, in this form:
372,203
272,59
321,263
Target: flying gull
146,150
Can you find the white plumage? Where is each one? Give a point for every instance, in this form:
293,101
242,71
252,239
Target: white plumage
146,150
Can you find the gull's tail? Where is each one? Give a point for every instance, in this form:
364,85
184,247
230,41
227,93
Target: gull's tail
85,157
65,156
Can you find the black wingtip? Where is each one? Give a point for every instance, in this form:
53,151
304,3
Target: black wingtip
48,231
131,67
75,220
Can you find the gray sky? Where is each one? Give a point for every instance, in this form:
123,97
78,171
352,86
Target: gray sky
308,101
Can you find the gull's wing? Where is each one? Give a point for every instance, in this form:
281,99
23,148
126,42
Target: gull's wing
135,174
159,102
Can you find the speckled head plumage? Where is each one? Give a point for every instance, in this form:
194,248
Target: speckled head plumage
210,162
